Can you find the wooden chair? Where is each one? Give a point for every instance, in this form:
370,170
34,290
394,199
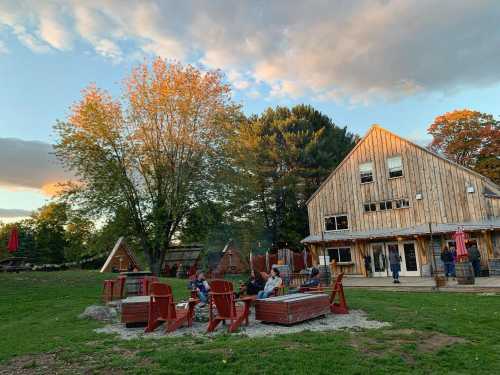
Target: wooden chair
162,309
222,296
146,285
338,290
113,289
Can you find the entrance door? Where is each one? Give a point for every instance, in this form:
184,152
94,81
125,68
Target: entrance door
409,265
379,262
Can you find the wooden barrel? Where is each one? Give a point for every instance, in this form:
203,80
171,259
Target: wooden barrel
494,266
464,273
325,275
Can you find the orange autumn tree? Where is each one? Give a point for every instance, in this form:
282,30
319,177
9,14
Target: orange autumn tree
470,138
155,152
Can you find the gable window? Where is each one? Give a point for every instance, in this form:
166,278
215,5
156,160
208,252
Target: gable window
366,172
395,166
340,254
337,222
369,207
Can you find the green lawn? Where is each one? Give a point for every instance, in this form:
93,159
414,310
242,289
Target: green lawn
41,334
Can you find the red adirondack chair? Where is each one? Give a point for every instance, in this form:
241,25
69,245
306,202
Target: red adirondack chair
162,309
113,289
146,284
338,290
222,296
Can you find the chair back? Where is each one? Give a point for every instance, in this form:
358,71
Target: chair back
222,294
161,295
339,278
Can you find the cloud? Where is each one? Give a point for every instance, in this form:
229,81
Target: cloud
355,51
29,164
14,213
3,48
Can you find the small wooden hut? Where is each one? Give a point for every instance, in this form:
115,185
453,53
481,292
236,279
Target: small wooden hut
182,260
231,261
121,258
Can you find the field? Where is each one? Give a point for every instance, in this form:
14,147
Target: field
430,333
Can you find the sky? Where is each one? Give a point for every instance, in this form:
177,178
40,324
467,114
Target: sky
397,63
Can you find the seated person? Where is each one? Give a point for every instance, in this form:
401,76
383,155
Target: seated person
254,284
273,282
313,281
201,286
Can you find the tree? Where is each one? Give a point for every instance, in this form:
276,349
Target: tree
281,157
470,138
156,152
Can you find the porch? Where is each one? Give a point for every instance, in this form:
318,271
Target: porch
422,284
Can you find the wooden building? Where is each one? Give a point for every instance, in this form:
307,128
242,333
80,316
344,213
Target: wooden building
389,193
182,260
228,261
120,259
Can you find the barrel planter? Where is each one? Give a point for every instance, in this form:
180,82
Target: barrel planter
325,275
494,266
464,273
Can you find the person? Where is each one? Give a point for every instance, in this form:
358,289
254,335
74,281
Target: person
368,265
449,265
475,259
313,281
395,263
273,282
254,284
200,285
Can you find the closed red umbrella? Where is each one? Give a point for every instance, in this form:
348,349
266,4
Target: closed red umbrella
459,236
13,244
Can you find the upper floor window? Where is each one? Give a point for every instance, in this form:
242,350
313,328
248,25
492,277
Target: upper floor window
395,166
366,172
337,222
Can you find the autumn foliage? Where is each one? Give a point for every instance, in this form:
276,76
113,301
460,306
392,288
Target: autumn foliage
470,138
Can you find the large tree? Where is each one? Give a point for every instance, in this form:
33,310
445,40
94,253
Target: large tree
470,138
155,152
281,158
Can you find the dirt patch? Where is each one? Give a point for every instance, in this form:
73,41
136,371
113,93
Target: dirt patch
31,364
398,342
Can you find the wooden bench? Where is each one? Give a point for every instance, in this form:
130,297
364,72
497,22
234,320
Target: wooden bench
292,308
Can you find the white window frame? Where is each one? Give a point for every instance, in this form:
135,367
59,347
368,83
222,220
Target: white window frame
389,169
370,163
337,249
335,216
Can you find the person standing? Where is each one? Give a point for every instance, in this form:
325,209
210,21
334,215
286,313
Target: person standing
395,264
447,258
475,259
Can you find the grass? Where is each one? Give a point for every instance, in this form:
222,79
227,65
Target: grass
430,333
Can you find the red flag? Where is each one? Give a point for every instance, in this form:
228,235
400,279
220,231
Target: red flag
13,244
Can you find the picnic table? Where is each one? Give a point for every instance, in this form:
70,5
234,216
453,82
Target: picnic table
292,308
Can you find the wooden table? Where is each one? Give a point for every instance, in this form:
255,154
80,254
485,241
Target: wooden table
292,308
135,310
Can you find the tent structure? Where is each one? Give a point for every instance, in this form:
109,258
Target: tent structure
121,258
231,261
183,259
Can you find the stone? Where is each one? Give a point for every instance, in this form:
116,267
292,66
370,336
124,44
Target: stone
201,314
102,313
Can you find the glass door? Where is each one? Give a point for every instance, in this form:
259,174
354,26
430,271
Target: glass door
409,265
379,260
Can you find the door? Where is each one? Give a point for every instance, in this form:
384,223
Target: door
409,265
379,263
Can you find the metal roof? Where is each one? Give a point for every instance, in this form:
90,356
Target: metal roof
421,229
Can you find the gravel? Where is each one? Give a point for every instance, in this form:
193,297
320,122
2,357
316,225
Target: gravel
355,320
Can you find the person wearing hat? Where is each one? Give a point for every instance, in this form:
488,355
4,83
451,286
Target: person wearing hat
313,281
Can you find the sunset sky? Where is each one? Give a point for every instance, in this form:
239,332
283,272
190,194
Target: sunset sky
395,63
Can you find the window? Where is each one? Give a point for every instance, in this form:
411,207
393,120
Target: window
337,222
340,255
402,203
369,207
395,166
366,172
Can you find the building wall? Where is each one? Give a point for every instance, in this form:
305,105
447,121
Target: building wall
442,184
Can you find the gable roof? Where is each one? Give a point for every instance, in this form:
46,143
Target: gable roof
187,255
120,243
493,186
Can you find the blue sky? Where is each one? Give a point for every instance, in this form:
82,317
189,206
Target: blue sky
395,63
